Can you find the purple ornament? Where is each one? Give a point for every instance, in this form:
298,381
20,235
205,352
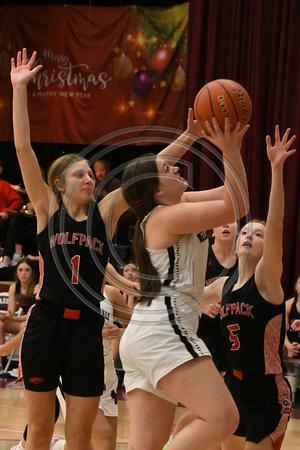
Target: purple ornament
142,83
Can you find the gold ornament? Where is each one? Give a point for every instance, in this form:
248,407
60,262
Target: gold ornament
178,82
122,66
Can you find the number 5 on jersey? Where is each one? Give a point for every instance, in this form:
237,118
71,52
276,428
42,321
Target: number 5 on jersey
233,337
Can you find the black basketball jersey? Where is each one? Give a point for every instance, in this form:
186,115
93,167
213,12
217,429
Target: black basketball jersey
73,259
293,336
254,329
214,270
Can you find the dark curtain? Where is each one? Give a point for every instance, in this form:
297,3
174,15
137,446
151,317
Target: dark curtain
257,44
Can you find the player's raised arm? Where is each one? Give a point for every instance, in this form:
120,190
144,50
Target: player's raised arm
173,152
230,143
22,71
269,269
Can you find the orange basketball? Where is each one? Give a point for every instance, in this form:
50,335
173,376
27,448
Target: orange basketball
223,98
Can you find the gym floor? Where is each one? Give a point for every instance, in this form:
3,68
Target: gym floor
13,418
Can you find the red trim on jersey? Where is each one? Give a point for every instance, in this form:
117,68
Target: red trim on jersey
103,284
41,270
73,314
238,374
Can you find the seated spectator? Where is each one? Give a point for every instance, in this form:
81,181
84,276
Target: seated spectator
20,239
21,294
9,200
101,169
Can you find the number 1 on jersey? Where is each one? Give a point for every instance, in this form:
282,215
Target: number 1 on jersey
75,268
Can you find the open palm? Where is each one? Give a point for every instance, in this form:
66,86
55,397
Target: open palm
22,70
278,153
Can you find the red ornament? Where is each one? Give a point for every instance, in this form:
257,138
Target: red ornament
160,58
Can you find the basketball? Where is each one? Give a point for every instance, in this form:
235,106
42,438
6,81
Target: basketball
223,98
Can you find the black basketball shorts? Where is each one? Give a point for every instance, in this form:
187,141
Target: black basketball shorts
264,404
63,342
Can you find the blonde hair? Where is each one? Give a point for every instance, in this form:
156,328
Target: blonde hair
59,168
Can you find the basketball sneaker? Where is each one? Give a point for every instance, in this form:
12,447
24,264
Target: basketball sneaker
18,447
57,444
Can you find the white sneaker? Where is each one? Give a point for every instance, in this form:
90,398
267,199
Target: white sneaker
57,444
2,265
13,373
15,259
18,447
53,441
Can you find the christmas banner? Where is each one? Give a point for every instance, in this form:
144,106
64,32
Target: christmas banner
104,69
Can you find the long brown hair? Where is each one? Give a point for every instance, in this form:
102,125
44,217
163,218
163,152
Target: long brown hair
33,280
140,181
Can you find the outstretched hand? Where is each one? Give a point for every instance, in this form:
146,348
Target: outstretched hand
278,153
227,140
23,71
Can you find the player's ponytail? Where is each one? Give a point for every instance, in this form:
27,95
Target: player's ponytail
139,183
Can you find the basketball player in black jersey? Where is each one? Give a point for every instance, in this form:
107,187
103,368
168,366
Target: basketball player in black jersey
221,261
63,332
253,321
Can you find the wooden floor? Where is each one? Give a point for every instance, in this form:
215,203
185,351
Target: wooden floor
13,418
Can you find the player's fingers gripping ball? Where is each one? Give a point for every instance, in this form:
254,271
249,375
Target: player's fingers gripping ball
223,98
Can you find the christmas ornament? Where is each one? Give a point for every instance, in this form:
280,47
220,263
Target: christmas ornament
122,66
178,82
142,83
160,58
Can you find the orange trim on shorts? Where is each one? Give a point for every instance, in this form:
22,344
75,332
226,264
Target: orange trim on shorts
73,314
238,374
278,442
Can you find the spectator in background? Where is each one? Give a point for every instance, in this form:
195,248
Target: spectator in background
21,295
101,169
20,238
9,200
